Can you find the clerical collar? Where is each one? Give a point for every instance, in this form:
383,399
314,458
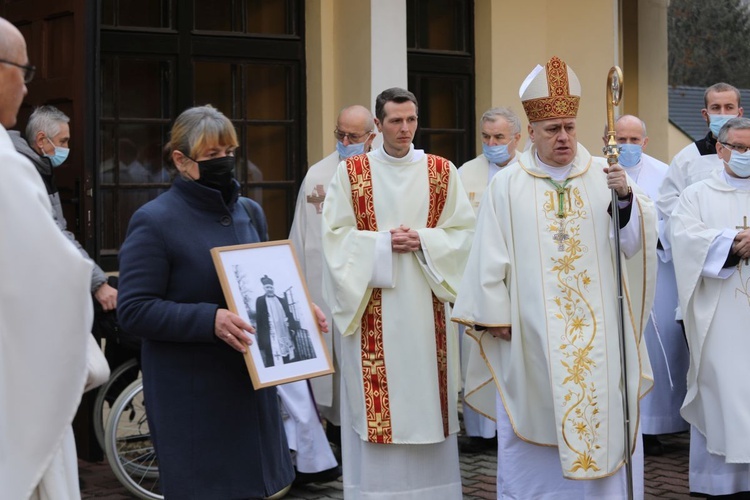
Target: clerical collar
556,173
737,182
411,156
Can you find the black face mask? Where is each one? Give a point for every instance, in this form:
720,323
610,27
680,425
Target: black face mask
218,173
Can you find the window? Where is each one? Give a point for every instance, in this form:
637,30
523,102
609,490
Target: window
441,75
244,57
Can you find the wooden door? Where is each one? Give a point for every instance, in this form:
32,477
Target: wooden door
60,39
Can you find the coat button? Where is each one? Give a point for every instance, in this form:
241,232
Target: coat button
225,220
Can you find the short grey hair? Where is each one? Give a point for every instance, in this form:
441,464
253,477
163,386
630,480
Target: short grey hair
46,119
491,115
739,123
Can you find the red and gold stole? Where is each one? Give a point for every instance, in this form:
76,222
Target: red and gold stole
373,356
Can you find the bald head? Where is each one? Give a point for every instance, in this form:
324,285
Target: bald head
12,86
355,125
630,129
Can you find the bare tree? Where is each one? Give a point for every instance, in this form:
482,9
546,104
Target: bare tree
709,42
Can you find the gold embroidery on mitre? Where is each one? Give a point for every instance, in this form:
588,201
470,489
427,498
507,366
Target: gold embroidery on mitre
559,103
581,421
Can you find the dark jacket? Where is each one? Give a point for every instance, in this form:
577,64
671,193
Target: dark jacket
44,167
215,436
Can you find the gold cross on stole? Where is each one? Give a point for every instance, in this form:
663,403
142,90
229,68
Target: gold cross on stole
743,226
361,185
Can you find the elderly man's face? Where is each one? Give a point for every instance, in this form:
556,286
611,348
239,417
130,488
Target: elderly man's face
555,141
269,290
12,87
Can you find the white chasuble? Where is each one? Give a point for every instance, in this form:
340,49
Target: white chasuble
45,321
306,238
542,262
716,311
402,373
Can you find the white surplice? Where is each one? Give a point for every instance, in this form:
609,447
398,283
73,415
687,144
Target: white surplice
304,432
716,306
45,320
667,350
555,286
307,240
686,169
356,262
475,175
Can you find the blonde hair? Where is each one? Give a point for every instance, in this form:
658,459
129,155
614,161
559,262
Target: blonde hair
198,128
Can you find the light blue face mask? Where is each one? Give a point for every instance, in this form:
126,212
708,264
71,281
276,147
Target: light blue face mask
630,155
715,122
350,150
61,154
496,154
739,163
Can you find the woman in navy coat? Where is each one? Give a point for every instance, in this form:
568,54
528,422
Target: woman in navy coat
215,436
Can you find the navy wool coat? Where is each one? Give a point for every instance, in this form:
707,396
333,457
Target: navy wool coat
215,436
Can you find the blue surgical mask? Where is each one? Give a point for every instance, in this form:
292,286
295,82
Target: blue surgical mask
350,150
61,154
496,154
630,155
739,163
715,122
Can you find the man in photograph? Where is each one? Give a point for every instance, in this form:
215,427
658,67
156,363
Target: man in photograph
275,327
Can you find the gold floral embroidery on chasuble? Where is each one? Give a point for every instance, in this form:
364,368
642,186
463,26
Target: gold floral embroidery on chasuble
577,352
374,376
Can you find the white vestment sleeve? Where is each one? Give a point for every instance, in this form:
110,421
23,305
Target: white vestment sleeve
717,256
669,195
384,270
630,235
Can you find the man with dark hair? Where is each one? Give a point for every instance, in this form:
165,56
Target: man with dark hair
397,229
45,313
46,145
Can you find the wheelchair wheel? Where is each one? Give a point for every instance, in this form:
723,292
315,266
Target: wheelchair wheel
127,442
107,394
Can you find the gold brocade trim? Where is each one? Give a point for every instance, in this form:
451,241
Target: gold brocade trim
374,376
580,421
559,103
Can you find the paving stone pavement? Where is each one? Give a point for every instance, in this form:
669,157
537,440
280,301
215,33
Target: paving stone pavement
666,477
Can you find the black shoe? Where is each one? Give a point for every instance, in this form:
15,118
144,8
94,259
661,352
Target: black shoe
652,447
473,444
324,476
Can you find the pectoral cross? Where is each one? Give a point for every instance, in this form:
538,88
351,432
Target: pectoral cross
560,237
743,226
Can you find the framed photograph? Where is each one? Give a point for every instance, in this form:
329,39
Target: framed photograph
263,284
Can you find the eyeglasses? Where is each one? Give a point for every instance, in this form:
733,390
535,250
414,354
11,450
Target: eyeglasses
736,147
28,69
352,137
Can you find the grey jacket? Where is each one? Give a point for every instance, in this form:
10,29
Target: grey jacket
44,167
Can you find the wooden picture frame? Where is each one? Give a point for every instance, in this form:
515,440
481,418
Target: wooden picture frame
287,345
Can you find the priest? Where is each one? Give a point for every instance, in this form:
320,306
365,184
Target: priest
539,293
665,342
45,314
397,227
500,129
711,247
